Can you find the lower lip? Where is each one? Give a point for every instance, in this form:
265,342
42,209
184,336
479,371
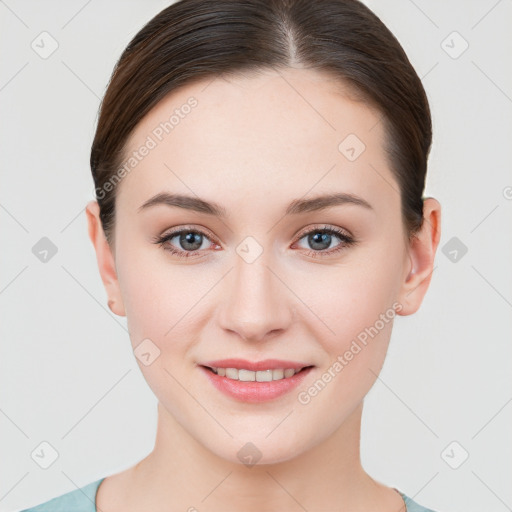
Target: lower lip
252,391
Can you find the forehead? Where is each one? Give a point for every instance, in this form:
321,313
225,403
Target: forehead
267,134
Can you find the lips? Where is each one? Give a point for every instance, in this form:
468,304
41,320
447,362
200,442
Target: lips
257,381
267,364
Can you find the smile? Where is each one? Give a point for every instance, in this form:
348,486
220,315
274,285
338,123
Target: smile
261,381
255,376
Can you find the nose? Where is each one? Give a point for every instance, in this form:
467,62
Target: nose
258,304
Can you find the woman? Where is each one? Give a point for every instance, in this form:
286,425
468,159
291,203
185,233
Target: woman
259,169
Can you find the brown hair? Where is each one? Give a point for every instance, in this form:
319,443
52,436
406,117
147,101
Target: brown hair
196,39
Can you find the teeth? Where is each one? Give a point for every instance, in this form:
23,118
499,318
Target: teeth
277,374
264,376
246,375
232,373
259,376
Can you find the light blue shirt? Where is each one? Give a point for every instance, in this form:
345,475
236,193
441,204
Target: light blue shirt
84,500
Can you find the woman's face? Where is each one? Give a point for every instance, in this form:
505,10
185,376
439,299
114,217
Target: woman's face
264,280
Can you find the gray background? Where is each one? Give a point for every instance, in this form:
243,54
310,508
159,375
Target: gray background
68,376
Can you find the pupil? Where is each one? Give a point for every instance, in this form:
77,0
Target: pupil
320,239
190,238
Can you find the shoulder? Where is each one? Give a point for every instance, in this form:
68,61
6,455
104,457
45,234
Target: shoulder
412,506
79,500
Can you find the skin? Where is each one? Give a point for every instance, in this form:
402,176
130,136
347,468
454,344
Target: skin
253,144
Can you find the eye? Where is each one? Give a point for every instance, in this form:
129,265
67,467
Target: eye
187,242
321,238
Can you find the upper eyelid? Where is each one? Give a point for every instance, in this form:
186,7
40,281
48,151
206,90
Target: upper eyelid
323,227
177,231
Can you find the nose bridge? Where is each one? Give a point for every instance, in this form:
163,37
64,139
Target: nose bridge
256,303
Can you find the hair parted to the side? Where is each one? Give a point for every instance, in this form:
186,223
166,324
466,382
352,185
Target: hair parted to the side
197,39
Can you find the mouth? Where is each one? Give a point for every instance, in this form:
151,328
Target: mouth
255,382
245,375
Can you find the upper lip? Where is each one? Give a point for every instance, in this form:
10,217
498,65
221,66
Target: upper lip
266,364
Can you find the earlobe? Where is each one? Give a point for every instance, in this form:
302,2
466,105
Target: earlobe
421,253
104,258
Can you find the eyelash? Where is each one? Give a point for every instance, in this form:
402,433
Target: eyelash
345,241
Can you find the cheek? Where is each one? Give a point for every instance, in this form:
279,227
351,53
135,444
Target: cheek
155,297
357,306
355,296
159,300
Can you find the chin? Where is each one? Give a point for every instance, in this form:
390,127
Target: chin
257,450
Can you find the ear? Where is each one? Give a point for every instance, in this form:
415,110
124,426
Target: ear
106,262
422,250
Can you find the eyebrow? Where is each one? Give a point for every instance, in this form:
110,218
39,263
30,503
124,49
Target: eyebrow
297,206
